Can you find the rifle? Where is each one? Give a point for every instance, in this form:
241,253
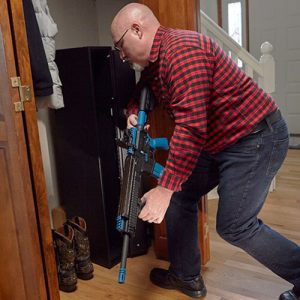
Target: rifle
139,160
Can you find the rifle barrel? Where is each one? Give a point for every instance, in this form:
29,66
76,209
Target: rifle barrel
122,271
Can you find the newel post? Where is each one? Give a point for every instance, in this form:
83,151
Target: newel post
268,66
268,80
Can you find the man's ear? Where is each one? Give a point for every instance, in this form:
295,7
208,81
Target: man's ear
137,29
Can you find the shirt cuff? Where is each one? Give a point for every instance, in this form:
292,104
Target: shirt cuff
171,181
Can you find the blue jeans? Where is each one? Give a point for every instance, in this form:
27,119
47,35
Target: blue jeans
243,173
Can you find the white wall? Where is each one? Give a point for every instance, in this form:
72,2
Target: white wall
76,21
106,10
210,7
278,22
84,22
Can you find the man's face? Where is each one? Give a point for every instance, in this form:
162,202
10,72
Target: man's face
131,45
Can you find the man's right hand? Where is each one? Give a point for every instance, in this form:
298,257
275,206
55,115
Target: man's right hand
132,121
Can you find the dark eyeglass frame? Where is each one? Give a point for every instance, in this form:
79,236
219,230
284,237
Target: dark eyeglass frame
118,42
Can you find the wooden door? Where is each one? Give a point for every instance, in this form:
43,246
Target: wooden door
28,269
176,14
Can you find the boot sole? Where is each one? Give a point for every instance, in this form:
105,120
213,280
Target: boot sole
85,276
67,288
193,294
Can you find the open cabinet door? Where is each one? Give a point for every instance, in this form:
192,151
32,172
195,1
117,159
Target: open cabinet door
28,269
182,14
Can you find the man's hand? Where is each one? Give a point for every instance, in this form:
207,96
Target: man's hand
132,121
156,202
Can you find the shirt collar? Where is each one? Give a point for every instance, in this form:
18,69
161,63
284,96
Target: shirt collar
156,43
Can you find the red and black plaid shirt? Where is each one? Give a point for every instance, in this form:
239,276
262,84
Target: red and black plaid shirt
213,102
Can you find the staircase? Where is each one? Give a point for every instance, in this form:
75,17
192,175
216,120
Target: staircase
262,70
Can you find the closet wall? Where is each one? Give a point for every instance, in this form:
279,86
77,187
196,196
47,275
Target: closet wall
106,10
76,21
80,23
210,7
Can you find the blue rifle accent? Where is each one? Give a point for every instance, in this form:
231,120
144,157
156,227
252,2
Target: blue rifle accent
133,131
158,143
157,170
120,223
142,119
122,275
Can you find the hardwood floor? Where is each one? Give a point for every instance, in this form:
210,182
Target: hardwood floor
230,275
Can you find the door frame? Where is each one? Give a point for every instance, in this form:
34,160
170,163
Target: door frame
183,14
15,38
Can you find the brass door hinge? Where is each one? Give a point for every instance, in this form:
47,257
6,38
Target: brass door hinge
24,92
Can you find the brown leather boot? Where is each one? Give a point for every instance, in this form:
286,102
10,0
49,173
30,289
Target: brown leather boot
83,265
63,239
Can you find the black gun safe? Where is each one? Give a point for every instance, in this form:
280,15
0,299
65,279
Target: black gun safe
96,87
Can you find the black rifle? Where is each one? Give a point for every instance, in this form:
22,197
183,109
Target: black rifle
140,160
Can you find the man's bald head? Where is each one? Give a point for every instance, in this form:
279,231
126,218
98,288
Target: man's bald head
133,30
134,12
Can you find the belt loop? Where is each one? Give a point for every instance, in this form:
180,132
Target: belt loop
269,124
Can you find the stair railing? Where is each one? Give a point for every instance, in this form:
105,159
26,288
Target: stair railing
263,71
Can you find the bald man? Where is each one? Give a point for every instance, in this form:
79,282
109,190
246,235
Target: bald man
228,132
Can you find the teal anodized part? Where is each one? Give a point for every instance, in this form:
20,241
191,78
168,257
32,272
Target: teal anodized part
157,170
133,131
142,118
122,275
120,223
130,149
158,143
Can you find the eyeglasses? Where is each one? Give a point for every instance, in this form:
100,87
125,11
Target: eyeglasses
118,48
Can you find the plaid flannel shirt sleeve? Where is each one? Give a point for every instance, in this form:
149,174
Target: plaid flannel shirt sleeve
189,76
